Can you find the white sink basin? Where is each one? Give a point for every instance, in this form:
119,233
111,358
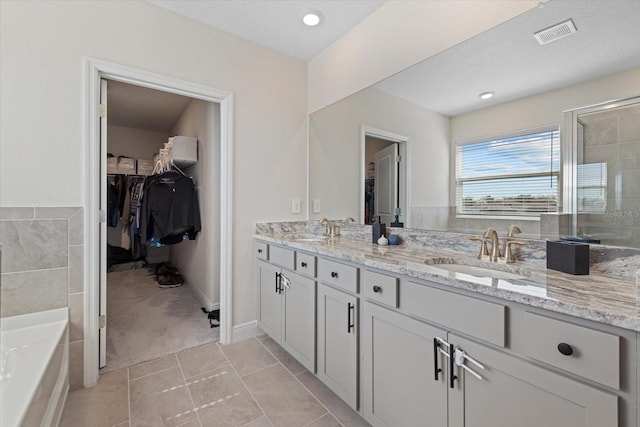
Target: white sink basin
473,270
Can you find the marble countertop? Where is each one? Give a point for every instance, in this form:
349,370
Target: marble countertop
609,300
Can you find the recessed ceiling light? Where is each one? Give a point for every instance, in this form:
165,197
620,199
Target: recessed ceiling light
312,18
486,95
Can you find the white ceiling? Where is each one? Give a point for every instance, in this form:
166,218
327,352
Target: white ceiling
143,108
508,60
278,23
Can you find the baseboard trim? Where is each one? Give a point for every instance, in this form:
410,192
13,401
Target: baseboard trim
204,301
244,331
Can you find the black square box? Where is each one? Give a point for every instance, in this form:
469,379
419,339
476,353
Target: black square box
568,257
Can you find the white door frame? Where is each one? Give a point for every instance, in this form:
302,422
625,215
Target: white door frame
404,148
94,70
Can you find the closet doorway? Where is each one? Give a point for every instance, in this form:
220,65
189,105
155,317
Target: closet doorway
208,113
384,171
158,295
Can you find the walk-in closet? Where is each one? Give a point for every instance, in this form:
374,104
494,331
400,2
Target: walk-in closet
161,153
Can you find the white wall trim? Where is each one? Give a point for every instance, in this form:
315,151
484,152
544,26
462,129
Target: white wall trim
404,151
202,298
94,70
245,331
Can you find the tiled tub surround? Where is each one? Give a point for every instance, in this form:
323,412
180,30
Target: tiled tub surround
607,299
42,269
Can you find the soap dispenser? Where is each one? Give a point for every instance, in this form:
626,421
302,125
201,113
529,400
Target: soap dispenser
378,229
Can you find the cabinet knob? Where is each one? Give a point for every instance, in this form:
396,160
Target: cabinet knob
334,274
304,264
565,349
377,289
259,251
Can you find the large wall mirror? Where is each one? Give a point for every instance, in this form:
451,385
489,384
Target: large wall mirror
427,113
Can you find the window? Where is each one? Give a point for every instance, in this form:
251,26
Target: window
515,176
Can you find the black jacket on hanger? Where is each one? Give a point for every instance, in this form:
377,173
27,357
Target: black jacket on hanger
169,208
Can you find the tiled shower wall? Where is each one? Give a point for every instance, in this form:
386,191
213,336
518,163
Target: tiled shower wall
42,269
613,137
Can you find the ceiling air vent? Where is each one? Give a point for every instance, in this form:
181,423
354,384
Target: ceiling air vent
556,32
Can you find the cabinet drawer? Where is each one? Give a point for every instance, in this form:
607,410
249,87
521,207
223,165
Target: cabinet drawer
306,264
381,287
589,353
282,257
262,251
339,275
482,319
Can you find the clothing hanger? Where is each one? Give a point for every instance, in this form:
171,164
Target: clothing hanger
173,165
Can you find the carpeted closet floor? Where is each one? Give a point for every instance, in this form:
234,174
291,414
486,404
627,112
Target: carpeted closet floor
145,322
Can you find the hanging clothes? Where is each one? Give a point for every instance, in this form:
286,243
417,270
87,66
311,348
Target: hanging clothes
112,205
170,210
125,219
137,249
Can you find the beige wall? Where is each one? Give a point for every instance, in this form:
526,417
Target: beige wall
397,35
199,260
136,143
334,151
42,48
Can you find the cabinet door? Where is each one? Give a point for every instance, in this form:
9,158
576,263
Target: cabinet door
338,343
299,314
269,300
400,385
515,392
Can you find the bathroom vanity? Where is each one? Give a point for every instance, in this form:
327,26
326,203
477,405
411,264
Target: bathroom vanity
408,335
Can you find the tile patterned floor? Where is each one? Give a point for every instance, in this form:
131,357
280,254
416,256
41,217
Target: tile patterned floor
253,383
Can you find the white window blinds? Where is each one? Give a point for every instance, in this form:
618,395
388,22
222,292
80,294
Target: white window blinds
515,176
592,188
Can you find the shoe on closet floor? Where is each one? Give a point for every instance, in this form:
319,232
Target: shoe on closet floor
170,280
168,276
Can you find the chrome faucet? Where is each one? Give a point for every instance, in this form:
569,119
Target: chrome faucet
491,233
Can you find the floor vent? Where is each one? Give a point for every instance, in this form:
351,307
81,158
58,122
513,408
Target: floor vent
556,32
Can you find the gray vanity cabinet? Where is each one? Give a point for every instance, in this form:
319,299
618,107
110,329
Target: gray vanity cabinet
286,305
338,342
299,319
269,299
401,385
311,306
407,378
514,392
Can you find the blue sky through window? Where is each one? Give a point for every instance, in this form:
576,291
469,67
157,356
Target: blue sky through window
515,175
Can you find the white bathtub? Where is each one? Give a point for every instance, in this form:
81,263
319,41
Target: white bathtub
34,366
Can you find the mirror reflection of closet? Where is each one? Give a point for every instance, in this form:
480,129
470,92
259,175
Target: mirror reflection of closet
608,173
